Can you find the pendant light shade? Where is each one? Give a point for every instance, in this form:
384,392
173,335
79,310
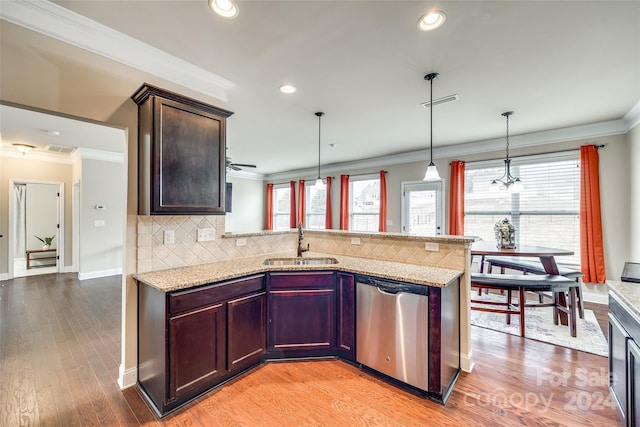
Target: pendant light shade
432,172
507,181
319,184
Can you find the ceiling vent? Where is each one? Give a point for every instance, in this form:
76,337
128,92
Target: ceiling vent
60,149
442,100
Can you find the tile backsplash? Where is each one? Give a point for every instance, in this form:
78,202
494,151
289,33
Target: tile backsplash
154,255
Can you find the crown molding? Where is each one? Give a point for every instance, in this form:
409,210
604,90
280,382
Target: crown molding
107,156
40,156
245,175
632,118
593,130
62,24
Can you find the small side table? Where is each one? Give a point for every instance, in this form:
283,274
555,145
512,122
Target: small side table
46,256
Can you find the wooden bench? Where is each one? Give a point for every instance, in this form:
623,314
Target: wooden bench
41,255
536,267
526,283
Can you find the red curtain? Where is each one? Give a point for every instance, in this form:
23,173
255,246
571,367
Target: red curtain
456,198
344,202
292,205
591,248
301,195
328,221
382,225
268,220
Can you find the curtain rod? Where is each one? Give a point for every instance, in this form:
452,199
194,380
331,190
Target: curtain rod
534,154
305,180
362,174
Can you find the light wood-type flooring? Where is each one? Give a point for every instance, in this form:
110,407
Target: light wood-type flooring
60,351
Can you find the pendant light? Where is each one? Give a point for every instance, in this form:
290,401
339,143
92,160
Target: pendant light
432,172
510,182
319,185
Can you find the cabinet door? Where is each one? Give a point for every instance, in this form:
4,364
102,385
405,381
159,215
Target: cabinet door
301,322
197,349
618,363
346,310
633,390
246,331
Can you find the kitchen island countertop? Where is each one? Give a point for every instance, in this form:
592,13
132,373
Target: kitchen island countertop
628,292
187,277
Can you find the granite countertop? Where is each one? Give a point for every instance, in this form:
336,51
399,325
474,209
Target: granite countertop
628,292
187,277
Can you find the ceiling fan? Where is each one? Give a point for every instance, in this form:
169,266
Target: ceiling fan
237,166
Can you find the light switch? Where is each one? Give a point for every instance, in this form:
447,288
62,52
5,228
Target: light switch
206,234
241,242
355,240
431,246
99,223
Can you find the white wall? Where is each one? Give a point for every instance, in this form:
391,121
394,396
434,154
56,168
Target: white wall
634,159
101,246
247,214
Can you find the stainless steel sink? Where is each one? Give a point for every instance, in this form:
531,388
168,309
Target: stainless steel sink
300,261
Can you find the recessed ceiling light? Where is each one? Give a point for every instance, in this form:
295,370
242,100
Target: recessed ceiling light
224,8
431,20
287,88
53,132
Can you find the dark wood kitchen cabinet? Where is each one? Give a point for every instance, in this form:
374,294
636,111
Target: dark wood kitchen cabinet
301,312
181,154
624,359
346,316
197,343
192,340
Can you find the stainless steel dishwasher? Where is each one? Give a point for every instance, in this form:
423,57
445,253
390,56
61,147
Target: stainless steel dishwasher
392,324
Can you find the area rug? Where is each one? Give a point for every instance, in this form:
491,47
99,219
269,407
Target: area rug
539,326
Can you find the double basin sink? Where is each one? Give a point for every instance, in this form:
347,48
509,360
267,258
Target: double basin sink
300,261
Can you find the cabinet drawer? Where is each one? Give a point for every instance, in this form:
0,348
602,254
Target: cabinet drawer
193,298
306,280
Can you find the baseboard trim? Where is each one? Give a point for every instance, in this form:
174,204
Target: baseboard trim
127,377
4,276
97,274
594,295
466,362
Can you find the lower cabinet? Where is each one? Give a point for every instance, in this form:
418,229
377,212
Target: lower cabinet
197,343
301,315
624,360
346,316
191,340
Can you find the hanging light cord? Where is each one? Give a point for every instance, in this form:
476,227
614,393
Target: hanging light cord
319,127
507,116
431,123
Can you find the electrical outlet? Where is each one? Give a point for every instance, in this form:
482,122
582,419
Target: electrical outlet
355,240
206,234
241,242
99,223
169,237
431,246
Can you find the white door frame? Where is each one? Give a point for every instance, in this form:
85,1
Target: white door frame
12,223
75,219
438,186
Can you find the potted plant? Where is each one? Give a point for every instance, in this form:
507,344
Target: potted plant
47,241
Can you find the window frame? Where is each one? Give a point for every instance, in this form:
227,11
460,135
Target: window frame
276,213
518,214
437,186
360,178
307,210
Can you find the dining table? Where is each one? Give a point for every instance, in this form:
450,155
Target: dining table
546,255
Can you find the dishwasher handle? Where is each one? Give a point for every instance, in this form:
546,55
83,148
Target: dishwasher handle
388,287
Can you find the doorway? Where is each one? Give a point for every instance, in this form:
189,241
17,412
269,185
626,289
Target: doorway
36,230
422,208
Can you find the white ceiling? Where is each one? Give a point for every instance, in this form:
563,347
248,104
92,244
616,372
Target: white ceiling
556,64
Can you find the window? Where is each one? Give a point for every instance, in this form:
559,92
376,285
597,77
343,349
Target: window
281,205
422,208
546,213
315,207
364,194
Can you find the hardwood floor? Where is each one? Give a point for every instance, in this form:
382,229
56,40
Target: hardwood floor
60,351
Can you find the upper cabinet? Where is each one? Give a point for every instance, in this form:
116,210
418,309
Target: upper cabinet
181,154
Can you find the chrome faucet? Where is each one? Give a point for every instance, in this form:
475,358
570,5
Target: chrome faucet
300,237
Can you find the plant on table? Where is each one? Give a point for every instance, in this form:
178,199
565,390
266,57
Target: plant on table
46,240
